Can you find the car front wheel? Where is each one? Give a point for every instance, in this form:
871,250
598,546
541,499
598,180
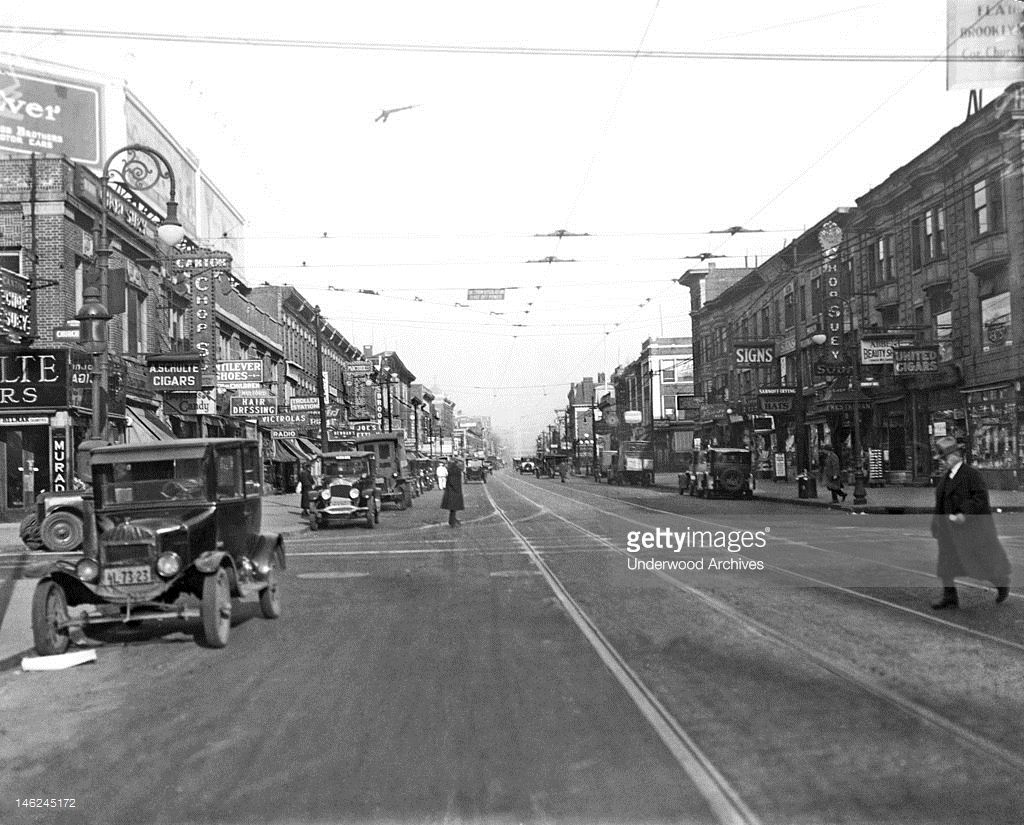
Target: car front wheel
49,612
215,609
270,597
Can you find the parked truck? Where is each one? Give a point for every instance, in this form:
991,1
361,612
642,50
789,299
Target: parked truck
634,464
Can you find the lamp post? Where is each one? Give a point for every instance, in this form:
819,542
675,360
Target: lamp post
141,169
416,422
321,398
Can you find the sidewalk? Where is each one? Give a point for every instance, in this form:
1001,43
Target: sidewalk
891,499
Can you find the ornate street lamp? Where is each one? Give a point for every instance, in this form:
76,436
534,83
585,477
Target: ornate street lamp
141,168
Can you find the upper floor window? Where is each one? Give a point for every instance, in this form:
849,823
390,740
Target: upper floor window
788,310
987,206
934,233
803,302
135,321
883,259
995,321
816,297
766,324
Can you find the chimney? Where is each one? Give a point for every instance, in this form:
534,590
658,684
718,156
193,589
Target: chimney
367,350
600,378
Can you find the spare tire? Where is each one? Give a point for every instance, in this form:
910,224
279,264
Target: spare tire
62,531
29,532
731,480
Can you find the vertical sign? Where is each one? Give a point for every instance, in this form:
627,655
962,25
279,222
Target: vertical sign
59,460
830,236
201,270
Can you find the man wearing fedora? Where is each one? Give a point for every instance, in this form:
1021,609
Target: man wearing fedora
964,528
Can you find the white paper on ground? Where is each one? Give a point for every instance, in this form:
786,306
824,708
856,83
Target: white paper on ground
58,662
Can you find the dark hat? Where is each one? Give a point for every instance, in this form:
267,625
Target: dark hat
946,444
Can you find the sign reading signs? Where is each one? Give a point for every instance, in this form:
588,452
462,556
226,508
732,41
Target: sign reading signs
915,361
201,270
49,116
754,354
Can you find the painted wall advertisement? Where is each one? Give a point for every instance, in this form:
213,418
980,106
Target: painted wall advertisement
49,115
985,43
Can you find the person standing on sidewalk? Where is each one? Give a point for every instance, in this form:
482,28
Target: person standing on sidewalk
833,475
442,476
307,482
452,499
964,528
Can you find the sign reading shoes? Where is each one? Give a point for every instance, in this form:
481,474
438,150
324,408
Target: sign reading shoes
239,372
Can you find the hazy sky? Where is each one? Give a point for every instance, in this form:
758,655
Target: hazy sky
645,154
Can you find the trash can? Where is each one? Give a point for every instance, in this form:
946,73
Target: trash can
806,487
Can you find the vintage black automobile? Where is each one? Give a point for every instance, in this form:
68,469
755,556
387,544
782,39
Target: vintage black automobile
347,492
172,520
728,473
476,470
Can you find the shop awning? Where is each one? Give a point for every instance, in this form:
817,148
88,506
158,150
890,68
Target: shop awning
145,428
310,448
287,451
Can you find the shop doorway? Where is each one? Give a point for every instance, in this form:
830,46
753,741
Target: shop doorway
26,450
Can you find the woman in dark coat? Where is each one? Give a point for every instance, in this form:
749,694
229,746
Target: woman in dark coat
964,528
833,476
452,500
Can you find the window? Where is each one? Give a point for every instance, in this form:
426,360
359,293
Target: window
995,322
943,333
135,322
883,270
935,233
766,328
987,206
890,316
229,472
251,467
803,302
668,371
176,323
788,310
916,241
224,347
816,297
744,328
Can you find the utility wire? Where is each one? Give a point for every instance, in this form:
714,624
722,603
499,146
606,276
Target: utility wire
512,51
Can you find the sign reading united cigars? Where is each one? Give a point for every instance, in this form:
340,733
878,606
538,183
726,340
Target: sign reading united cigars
201,270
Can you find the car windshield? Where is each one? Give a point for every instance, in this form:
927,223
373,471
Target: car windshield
345,467
152,481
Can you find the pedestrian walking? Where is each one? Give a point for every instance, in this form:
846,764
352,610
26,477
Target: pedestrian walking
306,483
563,470
442,476
832,473
964,528
452,499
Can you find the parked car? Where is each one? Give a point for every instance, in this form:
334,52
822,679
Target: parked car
634,464
476,470
604,468
172,519
347,492
394,478
728,473
527,465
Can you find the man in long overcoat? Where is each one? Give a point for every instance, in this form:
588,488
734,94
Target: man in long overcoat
832,475
964,528
308,482
452,500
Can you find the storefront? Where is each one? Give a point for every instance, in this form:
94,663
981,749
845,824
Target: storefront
43,414
994,446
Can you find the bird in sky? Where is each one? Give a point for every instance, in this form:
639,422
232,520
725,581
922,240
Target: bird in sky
703,256
732,230
383,116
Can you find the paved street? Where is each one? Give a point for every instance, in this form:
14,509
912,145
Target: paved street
518,669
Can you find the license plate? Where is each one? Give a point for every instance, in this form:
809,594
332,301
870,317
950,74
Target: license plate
120,576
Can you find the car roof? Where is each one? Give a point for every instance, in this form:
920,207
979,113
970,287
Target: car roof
162,450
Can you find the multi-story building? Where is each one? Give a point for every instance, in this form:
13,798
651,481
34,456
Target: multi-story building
917,296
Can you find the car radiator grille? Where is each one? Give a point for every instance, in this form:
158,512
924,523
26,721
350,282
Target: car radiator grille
121,553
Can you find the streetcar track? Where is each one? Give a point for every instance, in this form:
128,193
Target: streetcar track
818,582
722,798
845,672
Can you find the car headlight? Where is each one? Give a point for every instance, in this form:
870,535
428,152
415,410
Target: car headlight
168,564
325,495
353,493
87,570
